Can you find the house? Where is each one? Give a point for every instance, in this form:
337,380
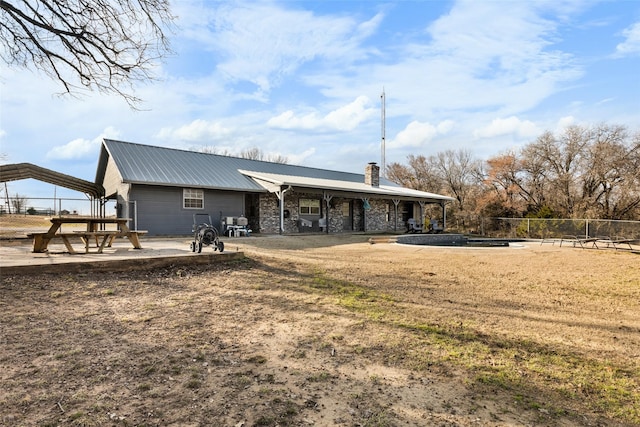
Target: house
161,189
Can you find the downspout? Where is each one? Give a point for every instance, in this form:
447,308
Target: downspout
281,197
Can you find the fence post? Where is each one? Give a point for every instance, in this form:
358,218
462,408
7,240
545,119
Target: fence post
586,229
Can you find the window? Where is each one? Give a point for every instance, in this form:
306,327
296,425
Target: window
192,198
346,209
309,206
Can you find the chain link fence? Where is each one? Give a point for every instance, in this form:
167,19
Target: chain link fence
22,215
33,213
543,228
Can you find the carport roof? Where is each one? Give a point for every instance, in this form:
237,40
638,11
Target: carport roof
18,171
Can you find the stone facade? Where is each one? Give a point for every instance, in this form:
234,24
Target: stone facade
380,217
269,214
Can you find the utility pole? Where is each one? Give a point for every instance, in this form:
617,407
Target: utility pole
384,138
6,195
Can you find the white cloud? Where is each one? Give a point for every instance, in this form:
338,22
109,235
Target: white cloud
289,120
345,118
509,126
262,43
418,134
631,44
299,158
82,148
475,57
368,28
197,131
565,122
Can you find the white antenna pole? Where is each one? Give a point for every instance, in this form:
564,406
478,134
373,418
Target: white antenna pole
383,142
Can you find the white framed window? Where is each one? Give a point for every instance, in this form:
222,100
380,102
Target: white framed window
192,198
309,206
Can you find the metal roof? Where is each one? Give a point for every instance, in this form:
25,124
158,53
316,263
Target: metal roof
330,184
146,164
20,171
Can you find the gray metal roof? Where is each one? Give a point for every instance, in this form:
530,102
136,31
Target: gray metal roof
146,164
20,171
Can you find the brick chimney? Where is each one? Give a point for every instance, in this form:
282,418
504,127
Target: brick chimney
372,175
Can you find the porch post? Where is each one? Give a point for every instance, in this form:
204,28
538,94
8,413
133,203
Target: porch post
444,216
396,202
327,198
365,208
422,203
280,196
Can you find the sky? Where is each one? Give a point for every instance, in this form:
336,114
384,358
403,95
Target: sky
304,79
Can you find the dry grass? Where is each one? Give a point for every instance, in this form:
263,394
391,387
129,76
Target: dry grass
319,330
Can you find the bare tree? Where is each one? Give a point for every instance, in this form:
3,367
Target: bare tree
504,193
460,173
257,154
251,154
611,180
581,172
96,44
18,202
421,174
400,174
212,150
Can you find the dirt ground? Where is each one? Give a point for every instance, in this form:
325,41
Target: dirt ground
330,330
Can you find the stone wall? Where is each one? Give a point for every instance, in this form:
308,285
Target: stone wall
336,220
375,217
269,216
379,218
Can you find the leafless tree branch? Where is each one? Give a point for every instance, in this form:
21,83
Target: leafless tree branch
100,45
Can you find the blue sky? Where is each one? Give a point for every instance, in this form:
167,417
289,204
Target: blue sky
303,79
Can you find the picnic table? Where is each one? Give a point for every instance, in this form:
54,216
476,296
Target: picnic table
95,231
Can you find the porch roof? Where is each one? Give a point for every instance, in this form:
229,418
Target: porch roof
272,182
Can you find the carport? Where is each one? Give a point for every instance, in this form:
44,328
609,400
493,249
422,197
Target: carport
18,171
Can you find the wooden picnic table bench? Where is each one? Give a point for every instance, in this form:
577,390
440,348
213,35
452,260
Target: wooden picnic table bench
95,229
